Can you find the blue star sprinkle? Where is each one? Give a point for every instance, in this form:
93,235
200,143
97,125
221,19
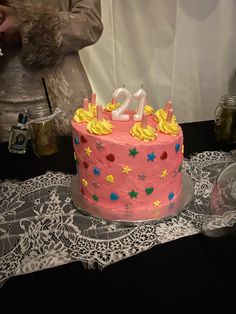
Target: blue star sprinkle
151,156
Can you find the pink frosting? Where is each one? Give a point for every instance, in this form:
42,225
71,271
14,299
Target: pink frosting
149,188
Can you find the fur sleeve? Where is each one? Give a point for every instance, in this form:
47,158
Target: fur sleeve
40,31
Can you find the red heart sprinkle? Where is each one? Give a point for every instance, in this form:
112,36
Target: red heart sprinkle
110,157
86,165
83,139
164,155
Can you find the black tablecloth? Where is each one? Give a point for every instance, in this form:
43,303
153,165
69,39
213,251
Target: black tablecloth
192,270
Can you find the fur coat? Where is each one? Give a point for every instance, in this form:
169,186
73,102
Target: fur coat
51,34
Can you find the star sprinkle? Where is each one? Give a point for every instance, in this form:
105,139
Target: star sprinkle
133,152
164,173
126,169
88,151
128,206
133,194
96,185
151,156
96,171
156,203
142,176
95,198
99,145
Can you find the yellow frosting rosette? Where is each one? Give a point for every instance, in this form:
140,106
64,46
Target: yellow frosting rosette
170,128
143,134
102,127
161,114
110,106
82,115
148,110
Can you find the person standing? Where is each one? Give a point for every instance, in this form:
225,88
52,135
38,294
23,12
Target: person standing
41,39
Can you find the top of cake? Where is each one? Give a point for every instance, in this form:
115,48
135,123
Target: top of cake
144,124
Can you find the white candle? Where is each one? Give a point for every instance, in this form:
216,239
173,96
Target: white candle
118,113
141,96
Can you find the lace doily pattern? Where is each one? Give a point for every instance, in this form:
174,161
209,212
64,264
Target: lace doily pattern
40,228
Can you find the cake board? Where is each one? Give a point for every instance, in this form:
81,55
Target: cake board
177,206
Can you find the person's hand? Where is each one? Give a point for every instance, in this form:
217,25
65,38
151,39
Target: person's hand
8,20
9,31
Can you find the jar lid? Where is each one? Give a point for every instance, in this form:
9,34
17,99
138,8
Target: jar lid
228,100
39,112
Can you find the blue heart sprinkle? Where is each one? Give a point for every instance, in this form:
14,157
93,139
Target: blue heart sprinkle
96,171
177,147
171,196
114,196
76,140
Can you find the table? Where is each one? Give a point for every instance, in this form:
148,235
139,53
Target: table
191,268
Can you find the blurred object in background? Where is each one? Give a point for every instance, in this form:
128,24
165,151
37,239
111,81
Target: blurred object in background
222,204
225,119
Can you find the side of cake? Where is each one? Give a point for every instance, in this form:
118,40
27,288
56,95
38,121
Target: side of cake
127,170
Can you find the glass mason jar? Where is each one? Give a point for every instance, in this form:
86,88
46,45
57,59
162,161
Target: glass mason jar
43,129
225,119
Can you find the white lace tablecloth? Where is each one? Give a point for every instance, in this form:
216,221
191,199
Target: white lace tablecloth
40,228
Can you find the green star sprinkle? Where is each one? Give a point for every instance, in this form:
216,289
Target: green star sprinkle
133,152
95,198
133,194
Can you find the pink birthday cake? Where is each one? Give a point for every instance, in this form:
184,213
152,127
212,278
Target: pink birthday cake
128,162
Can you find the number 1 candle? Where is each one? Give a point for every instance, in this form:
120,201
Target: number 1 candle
141,96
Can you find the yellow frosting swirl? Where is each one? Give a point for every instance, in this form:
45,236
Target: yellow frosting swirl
170,128
82,115
143,134
161,114
99,127
110,107
148,110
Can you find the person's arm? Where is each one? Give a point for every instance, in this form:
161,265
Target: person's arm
82,26
48,34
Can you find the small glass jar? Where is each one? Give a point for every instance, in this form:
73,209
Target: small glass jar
44,135
225,119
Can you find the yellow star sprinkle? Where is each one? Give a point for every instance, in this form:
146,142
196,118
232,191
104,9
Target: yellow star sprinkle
157,203
183,148
88,151
84,182
164,173
126,169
